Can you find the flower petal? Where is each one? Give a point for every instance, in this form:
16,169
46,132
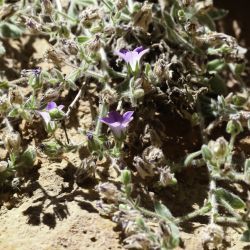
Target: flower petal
51,105
115,116
138,49
45,116
124,56
60,107
141,53
106,120
127,117
117,131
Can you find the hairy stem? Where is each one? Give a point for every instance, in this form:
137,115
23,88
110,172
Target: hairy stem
203,210
214,209
77,97
103,109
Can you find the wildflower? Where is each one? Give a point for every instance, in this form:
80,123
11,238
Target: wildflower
118,123
52,111
219,149
132,58
90,135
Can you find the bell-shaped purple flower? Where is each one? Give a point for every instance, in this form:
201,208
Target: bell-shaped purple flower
132,58
118,123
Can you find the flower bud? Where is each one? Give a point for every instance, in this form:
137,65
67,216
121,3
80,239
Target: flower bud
126,177
181,16
56,114
89,15
219,148
139,93
90,136
70,47
33,25
12,141
95,44
3,166
234,127
28,157
52,148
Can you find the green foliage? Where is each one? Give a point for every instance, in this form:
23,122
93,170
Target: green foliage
162,210
9,30
233,200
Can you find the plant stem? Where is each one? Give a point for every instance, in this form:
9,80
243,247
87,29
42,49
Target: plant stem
103,108
203,210
66,16
94,74
229,220
214,209
79,94
19,80
191,156
231,146
145,211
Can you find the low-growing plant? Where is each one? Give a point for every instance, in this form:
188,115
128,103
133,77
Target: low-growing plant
137,63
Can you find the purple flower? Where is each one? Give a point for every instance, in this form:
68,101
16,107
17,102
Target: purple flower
51,111
132,58
46,117
90,135
52,105
118,123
